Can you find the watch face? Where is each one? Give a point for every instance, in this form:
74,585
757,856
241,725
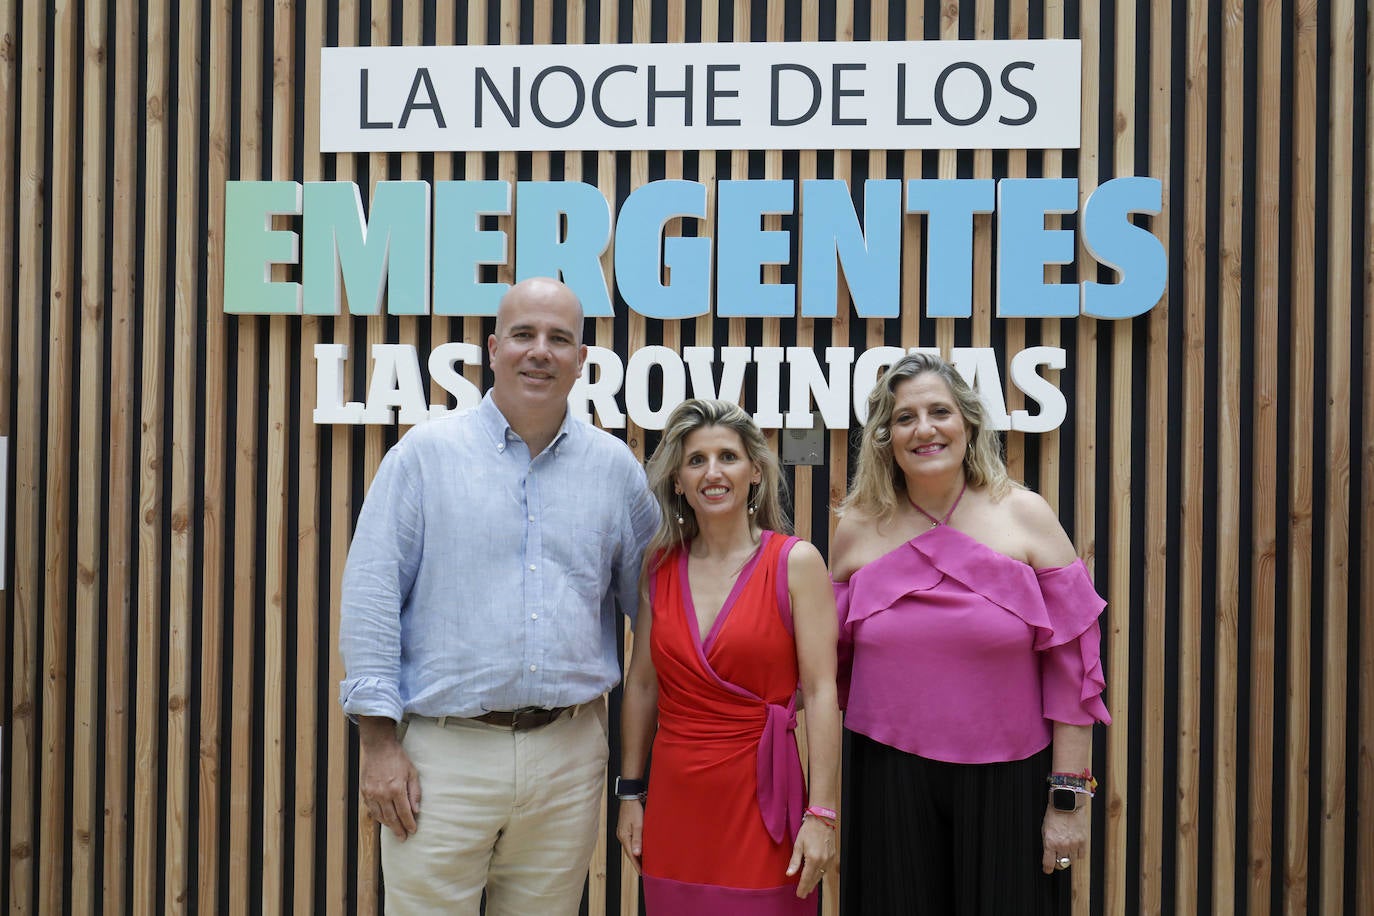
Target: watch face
1064,799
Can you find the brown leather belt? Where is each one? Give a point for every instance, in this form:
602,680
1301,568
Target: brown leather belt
522,719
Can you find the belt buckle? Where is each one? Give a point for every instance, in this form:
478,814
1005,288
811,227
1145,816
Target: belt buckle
528,717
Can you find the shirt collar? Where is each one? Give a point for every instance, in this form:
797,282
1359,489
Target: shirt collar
499,429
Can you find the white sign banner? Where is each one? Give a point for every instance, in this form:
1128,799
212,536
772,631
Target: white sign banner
783,95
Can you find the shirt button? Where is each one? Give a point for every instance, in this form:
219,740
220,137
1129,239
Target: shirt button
531,518
501,447
534,667
534,617
531,567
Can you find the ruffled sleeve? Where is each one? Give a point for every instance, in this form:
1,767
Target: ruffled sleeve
1071,649
1060,605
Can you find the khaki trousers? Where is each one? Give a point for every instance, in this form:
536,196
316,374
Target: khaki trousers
514,812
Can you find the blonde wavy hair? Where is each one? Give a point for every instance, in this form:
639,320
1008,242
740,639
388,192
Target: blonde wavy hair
688,417
878,481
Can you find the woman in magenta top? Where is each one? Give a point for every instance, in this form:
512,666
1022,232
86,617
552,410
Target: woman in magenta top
969,642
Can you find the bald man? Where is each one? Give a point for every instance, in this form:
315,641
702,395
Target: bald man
479,629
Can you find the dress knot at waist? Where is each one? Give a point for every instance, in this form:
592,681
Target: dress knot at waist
780,781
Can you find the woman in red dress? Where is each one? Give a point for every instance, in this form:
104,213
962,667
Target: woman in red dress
737,618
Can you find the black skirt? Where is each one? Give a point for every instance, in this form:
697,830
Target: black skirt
927,838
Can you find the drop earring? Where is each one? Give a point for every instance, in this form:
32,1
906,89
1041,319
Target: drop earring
680,520
753,498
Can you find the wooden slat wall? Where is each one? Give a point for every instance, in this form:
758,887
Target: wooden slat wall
178,526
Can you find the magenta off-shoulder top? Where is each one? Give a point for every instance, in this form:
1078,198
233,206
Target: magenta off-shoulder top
959,653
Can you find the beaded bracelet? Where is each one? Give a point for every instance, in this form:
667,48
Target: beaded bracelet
1083,782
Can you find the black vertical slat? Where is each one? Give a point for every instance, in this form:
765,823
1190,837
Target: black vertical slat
1168,879
1246,598
1318,401
1211,476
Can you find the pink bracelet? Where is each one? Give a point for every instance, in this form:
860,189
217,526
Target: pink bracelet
825,814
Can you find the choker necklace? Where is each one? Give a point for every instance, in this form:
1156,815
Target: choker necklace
936,522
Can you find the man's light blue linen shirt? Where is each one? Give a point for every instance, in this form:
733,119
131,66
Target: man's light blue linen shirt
480,580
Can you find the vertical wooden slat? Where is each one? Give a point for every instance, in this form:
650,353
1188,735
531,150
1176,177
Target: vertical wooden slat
1226,633
1050,443
369,852
1297,777
306,606
840,163
472,170
1159,527
803,476
342,797
27,616
948,168
274,757
640,33
90,527
739,159
184,534
1018,30
1194,459
1364,841
1264,447
982,223
213,514
598,878
1336,574
57,500
605,337
153,204
9,106
1086,409
1116,626
122,505
912,293
246,508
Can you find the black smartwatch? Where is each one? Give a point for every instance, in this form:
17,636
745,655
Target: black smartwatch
1064,799
628,789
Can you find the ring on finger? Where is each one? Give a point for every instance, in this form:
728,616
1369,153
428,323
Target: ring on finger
1062,862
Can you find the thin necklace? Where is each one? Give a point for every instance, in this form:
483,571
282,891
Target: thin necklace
936,522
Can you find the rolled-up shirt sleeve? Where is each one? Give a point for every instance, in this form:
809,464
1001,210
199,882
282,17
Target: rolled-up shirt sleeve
641,521
382,563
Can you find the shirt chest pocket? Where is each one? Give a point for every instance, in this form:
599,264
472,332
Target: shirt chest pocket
587,563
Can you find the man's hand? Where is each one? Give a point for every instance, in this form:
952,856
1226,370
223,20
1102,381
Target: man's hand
389,783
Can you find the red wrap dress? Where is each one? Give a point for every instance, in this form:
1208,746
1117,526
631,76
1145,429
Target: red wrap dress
726,790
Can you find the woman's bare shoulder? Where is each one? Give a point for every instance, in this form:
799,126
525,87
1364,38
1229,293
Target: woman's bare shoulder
859,539
1046,542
